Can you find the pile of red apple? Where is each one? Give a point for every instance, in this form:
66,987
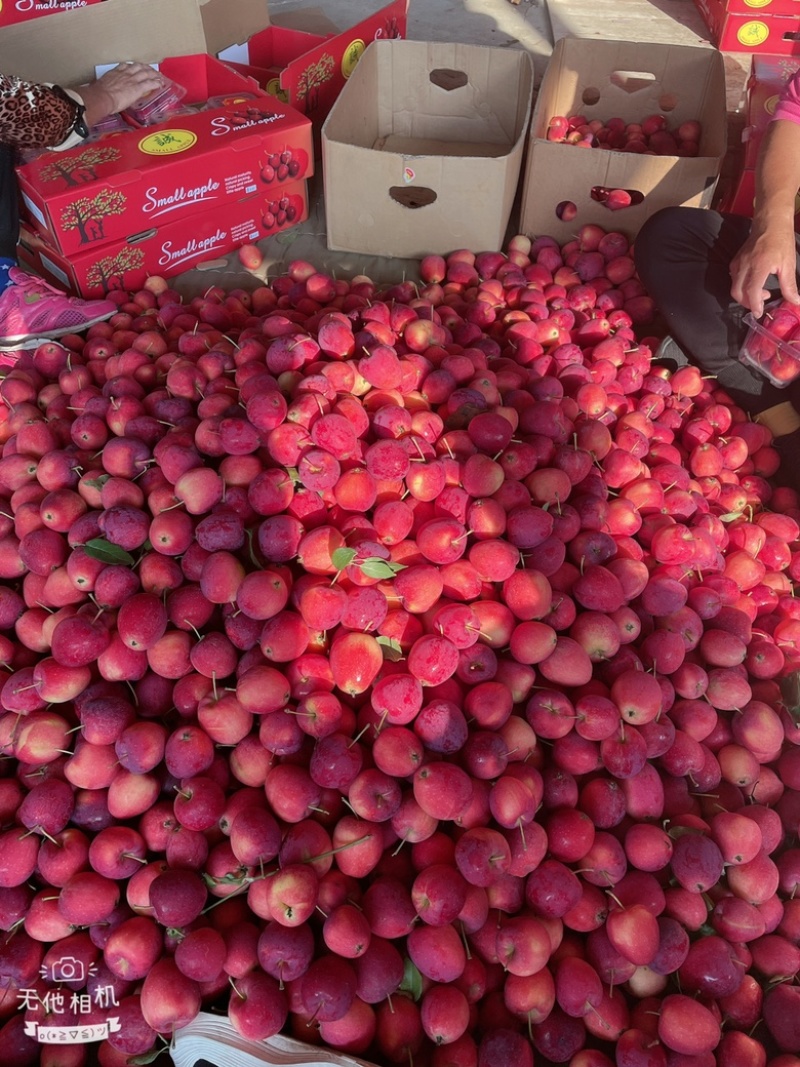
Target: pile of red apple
652,136
399,668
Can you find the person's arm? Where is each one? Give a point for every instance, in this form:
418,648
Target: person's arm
119,88
43,116
29,107
770,248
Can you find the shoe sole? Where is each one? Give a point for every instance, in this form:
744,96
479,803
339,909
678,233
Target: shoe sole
18,341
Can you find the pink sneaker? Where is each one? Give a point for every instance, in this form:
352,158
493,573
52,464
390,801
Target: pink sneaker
30,308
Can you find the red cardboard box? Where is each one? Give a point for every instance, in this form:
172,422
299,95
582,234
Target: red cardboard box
737,27
768,78
129,182
22,10
169,249
308,71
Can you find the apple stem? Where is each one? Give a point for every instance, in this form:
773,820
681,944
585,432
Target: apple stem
359,735
466,942
397,850
241,996
340,848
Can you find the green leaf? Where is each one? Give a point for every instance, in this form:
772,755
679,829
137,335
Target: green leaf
731,516
99,548
412,980
99,482
375,567
682,831
343,557
392,649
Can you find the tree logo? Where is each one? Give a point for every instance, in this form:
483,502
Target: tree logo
80,168
86,214
109,272
167,142
312,79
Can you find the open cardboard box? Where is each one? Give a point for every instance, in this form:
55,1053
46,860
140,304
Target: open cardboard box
309,70
631,80
128,182
66,47
422,150
169,248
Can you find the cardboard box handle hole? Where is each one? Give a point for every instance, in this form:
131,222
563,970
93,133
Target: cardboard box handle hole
137,238
448,79
616,199
632,81
590,95
419,196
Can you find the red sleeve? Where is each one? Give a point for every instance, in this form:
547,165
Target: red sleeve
789,103
33,115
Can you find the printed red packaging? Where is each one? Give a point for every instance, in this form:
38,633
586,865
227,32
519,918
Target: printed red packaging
308,71
22,10
168,249
742,26
128,182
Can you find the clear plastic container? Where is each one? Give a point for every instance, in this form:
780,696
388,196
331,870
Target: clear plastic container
109,124
777,358
159,104
228,100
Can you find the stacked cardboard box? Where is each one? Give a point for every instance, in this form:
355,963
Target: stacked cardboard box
768,27
159,199
126,209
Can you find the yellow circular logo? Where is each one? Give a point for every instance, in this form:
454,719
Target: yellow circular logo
753,34
167,142
771,104
352,54
273,87
757,3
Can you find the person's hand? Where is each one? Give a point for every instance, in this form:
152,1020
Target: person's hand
118,89
764,253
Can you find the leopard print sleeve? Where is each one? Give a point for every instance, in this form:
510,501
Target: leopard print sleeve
33,115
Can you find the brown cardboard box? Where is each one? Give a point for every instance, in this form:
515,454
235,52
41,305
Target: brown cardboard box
422,149
604,79
65,47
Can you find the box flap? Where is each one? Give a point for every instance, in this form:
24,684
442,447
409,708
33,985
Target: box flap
65,47
309,20
226,22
